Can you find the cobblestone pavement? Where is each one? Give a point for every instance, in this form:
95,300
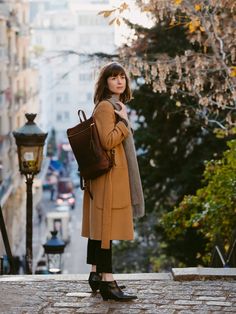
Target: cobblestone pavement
156,294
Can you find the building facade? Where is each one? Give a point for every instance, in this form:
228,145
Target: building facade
55,83
18,95
67,36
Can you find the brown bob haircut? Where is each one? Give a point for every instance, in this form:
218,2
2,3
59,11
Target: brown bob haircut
101,89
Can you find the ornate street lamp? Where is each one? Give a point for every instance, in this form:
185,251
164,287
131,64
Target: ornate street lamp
30,140
54,248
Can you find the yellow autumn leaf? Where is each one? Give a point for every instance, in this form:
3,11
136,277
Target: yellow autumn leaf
195,224
105,13
172,22
193,25
198,7
226,247
233,71
124,6
178,2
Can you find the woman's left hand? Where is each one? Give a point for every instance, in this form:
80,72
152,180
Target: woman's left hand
123,111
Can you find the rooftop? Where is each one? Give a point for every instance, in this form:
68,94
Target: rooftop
191,290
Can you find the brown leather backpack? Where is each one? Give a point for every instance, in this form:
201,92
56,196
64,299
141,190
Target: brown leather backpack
93,161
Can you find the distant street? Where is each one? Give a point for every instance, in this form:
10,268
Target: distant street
75,253
74,257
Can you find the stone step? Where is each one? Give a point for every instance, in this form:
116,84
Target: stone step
202,273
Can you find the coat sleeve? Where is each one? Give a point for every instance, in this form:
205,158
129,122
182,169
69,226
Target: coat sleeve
111,133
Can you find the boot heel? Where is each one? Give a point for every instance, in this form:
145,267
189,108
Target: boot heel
94,281
94,286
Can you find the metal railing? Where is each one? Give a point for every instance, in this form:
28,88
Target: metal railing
6,244
221,258
5,186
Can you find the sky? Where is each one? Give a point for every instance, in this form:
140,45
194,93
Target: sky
133,14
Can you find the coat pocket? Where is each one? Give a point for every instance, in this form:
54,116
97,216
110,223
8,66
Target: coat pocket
119,189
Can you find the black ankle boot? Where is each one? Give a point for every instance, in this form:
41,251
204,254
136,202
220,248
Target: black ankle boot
94,281
110,290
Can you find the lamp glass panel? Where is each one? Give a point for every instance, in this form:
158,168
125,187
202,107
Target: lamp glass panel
31,158
54,263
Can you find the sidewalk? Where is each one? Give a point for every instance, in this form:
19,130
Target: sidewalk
157,293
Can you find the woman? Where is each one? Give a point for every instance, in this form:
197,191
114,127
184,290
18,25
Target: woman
117,195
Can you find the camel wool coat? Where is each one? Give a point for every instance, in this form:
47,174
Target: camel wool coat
109,215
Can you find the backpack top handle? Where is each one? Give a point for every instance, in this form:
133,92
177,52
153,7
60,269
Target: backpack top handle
81,112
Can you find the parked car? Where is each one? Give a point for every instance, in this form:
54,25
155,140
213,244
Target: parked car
66,199
65,193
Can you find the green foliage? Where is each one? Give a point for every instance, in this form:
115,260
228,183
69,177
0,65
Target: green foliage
212,211
173,146
136,256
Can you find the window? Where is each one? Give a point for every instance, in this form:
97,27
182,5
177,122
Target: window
62,98
89,96
85,77
66,115
63,116
88,20
59,117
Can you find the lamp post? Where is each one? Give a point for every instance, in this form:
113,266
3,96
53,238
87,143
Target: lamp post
30,141
54,248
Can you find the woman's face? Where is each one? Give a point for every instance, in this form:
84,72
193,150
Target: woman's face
117,84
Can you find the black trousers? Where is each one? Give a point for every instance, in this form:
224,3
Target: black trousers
102,258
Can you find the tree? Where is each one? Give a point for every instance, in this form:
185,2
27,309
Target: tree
207,69
211,211
184,68
172,147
